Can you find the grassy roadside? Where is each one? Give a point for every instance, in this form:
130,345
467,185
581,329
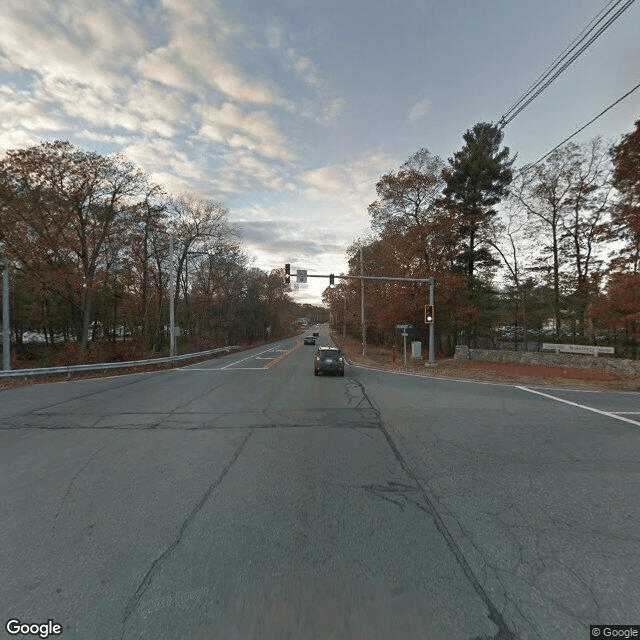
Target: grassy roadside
105,373
501,373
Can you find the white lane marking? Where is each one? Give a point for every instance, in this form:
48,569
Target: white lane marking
247,358
223,369
581,406
634,413
429,376
259,358
426,376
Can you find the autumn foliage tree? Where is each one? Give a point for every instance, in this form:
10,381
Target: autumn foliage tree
552,227
61,208
88,238
618,308
626,214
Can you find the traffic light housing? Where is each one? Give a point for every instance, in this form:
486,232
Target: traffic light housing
331,279
287,273
428,314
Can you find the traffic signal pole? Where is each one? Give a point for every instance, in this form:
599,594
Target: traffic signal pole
364,325
432,331
6,329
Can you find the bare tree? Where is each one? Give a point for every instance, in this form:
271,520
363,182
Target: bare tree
567,202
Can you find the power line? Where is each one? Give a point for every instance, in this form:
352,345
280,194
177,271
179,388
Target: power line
558,66
582,128
566,64
557,60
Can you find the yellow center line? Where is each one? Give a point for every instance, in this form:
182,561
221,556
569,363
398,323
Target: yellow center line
273,363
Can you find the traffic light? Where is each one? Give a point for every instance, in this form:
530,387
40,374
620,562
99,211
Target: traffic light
331,279
287,273
428,313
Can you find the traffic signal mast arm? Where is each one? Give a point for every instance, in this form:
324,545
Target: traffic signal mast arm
430,281
427,280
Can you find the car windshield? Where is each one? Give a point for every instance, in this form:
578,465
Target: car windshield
329,353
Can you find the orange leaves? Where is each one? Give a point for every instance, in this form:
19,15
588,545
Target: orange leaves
619,308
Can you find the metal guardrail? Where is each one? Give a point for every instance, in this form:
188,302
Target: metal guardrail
102,366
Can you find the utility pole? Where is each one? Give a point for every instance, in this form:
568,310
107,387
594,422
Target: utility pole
6,329
172,339
364,328
432,331
344,317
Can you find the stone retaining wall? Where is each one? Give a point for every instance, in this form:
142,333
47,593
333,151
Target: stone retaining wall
576,361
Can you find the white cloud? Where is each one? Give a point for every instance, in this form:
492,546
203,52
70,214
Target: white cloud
352,183
196,56
342,193
158,155
66,41
256,131
18,139
325,106
103,137
97,106
420,109
21,109
165,66
241,170
161,110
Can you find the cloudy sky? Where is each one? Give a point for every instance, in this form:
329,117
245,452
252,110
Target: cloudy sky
288,111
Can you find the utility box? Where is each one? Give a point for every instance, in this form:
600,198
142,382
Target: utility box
416,349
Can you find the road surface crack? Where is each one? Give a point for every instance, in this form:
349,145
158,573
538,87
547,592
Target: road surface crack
157,564
70,485
425,504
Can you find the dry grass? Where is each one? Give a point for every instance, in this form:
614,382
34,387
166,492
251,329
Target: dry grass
498,372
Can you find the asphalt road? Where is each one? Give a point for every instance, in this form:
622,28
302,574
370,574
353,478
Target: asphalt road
246,498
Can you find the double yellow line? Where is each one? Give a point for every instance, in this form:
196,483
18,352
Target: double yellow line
280,358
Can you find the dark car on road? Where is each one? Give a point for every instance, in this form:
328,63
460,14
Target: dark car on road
328,360
309,340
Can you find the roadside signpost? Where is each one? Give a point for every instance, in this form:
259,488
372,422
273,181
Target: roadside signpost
404,335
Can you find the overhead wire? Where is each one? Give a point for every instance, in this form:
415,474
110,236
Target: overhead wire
582,128
555,62
546,78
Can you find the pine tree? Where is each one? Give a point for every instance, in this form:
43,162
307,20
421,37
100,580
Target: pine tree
477,180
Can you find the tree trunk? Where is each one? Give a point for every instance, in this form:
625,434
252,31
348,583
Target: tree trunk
86,319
